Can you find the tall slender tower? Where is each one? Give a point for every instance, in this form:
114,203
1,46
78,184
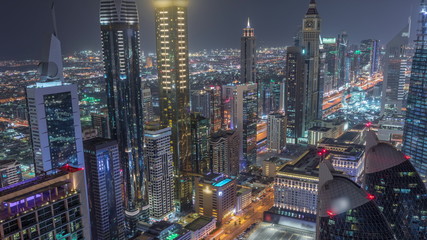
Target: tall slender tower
172,62
120,42
415,131
311,42
248,55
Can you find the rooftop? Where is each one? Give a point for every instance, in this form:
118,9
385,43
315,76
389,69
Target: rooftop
199,223
307,164
319,129
348,137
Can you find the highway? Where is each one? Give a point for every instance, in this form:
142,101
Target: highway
234,226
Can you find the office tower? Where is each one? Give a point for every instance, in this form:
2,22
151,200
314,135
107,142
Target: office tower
10,172
104,186
224,152
53,108
282,97
120,40
248,56
415,130
398,190
215,107
147,104
395,67
159,172
345,211
200,102
101,125
276,139
241,102
215,196
51,206
342,58
261,136
295,92
370,51
172,64
270,97
199,143
330,50
310,43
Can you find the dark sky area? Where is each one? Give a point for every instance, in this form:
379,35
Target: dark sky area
25,24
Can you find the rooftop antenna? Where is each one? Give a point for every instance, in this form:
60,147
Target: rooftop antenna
52,9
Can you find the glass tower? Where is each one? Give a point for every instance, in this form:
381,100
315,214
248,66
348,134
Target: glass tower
172,63
345,211
415,130
398,190
120,42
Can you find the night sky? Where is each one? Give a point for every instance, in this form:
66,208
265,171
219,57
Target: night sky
25,24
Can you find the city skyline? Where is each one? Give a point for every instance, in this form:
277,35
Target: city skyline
78,18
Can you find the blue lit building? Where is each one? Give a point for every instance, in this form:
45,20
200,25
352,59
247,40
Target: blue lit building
120,40
415,130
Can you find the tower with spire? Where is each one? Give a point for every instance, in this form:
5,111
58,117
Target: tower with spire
121,49
311,42
248,55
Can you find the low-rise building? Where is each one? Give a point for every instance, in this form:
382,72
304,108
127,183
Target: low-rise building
244,198
201,227
10,172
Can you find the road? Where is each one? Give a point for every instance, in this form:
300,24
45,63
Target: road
234,226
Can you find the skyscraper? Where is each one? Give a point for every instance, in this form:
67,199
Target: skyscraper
342,58
10,172
276,132
172,62
53,107
248,55
120,41
330,48
199,143
345,211
215,106
311,42
224,152
104,187
295,93
147,105
241,103
415,130
159,172
370,50
398,190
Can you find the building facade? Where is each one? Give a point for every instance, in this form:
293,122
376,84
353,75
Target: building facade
104,181
199,143
224,152
10,173
160,179
121,49
248,55
276,139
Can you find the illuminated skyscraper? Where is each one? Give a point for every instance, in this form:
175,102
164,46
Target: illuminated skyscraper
415,130
172,64
345,211
248,55
276,139
398,191
395,67
295,92
215,106
370,51
120,42
310,43
199,143
342,58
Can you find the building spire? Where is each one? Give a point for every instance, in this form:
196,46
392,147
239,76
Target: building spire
52,9
249,23
312,8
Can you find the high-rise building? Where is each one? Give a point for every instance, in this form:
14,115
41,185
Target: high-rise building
241,102
160,181
147,102
53,108
104,181
295,92
276,139
345,211
370,51
415,130
224,152
200,102
311,43
395,67
398,190
248,56
121,48
173,70
10,172
342,59
51,206
330,49
215,107
101,125
215,196
199,143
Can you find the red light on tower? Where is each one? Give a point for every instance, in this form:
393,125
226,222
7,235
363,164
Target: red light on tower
369,124
330,213
370,197
407,157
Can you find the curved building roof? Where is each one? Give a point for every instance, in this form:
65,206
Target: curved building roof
339,195
118,11
381,157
